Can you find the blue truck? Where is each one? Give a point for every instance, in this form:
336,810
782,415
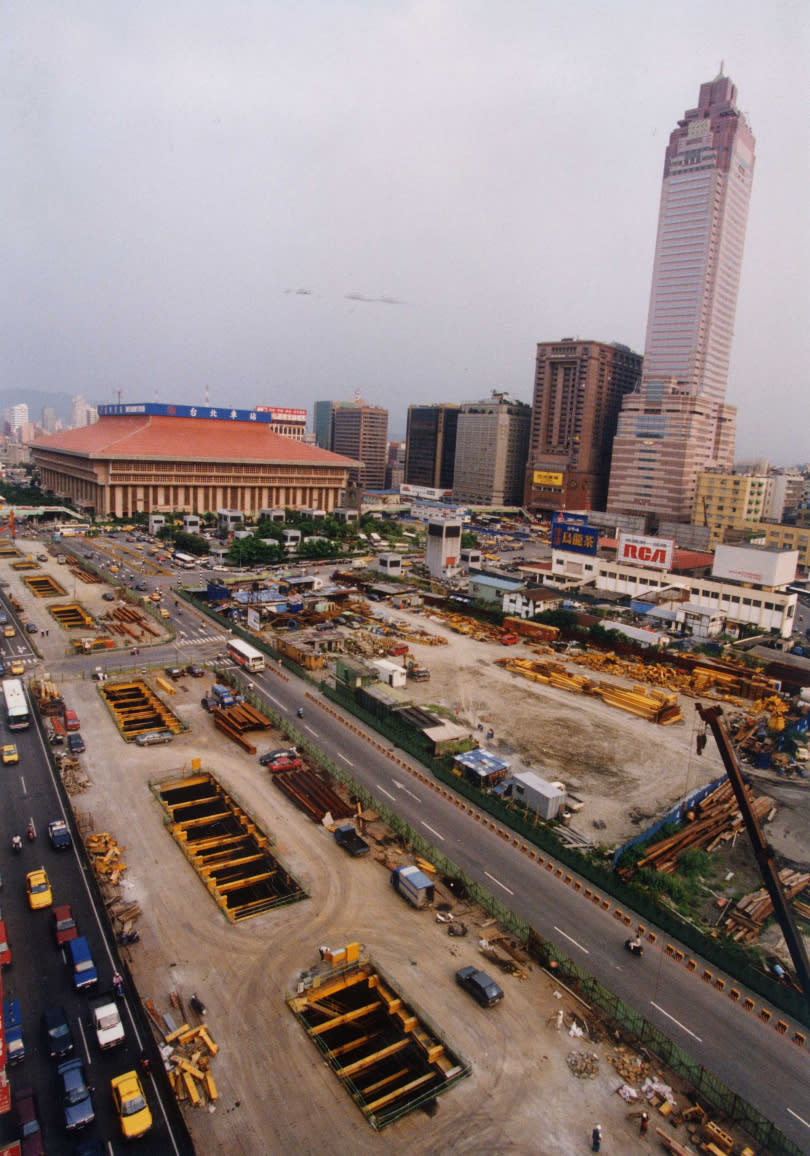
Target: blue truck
12,1026
413,885
81,963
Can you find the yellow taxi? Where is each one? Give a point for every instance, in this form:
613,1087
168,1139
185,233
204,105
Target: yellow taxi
131,1106
8,754
16,667
163,612
38,888
9,631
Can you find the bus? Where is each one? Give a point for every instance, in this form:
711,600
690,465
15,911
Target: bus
185,560
18,716
246,655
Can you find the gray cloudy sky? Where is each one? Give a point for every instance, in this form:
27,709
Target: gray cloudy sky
287,201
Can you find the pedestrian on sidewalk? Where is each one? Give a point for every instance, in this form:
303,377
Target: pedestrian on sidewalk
596,1138
643,1124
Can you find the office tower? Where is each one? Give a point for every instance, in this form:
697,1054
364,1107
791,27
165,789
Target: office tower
395,465
360,431
678,424
492,443
322,423
578,392
49,419
18,416
431,445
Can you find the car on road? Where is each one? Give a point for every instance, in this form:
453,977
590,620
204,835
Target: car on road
59,835
38,888
24,1103
5,950
81,963
56,1029
77,1104
76,744
163,612
153,738
131,1106
195,671
141,586
64,925
9,754
9,631
16,667
32,628
479,985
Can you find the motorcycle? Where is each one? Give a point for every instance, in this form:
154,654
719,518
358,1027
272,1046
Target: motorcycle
300,712
197,1004
16,844
634,946
125,937
31,831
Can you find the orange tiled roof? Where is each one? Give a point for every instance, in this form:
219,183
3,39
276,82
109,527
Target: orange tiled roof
150,436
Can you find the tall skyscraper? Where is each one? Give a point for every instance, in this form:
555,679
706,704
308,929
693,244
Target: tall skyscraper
578,392
431,445
360,431
678,424
492,443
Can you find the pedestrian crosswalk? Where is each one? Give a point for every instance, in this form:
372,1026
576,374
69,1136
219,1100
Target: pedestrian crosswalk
197,638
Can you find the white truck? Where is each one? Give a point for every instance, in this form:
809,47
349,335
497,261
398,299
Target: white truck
413,885
107,1021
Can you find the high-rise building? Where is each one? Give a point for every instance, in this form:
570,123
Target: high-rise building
578,392
492,444
431,445
18,416
678,424
360,431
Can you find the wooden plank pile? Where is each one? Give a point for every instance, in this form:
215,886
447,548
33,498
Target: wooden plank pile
189,1064
745,921
105,856
714,820
72,774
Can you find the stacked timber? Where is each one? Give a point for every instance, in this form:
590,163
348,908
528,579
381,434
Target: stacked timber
105,856
744,922
714,820
654,705
189,1064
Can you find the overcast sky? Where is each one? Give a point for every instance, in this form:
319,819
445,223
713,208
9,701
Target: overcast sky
289,201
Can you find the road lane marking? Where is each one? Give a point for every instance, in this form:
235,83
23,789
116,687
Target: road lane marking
432,830
22,784
311,731
402,787
349,761
678,1022
494,880
388,793
84,1042
801,1119
570,940
280,705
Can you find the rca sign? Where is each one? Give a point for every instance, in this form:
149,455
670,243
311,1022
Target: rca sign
653,552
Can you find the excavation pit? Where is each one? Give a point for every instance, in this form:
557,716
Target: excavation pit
388,1058
72,616
228,850
137,710
43,586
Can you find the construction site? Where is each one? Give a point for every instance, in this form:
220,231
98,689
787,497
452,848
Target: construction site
229,872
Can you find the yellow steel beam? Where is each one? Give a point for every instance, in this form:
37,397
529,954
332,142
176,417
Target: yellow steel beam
371,1060
348,1017
399,1092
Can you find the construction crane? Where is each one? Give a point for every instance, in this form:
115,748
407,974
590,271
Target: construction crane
763,852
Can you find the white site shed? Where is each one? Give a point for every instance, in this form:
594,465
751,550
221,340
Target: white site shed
537,793
390,672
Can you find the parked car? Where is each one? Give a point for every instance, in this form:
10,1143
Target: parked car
131,1106
64,925
32,628
479,985
24,1103
152,738
174,672
76,744
108,596
59,835
38,889
77,1104
56,1029
195,671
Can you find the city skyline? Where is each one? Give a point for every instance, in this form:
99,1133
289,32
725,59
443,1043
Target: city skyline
401,202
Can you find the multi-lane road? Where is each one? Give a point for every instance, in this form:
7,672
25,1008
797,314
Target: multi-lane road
764,1067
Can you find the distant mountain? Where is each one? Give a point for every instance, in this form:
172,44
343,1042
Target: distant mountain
36,400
